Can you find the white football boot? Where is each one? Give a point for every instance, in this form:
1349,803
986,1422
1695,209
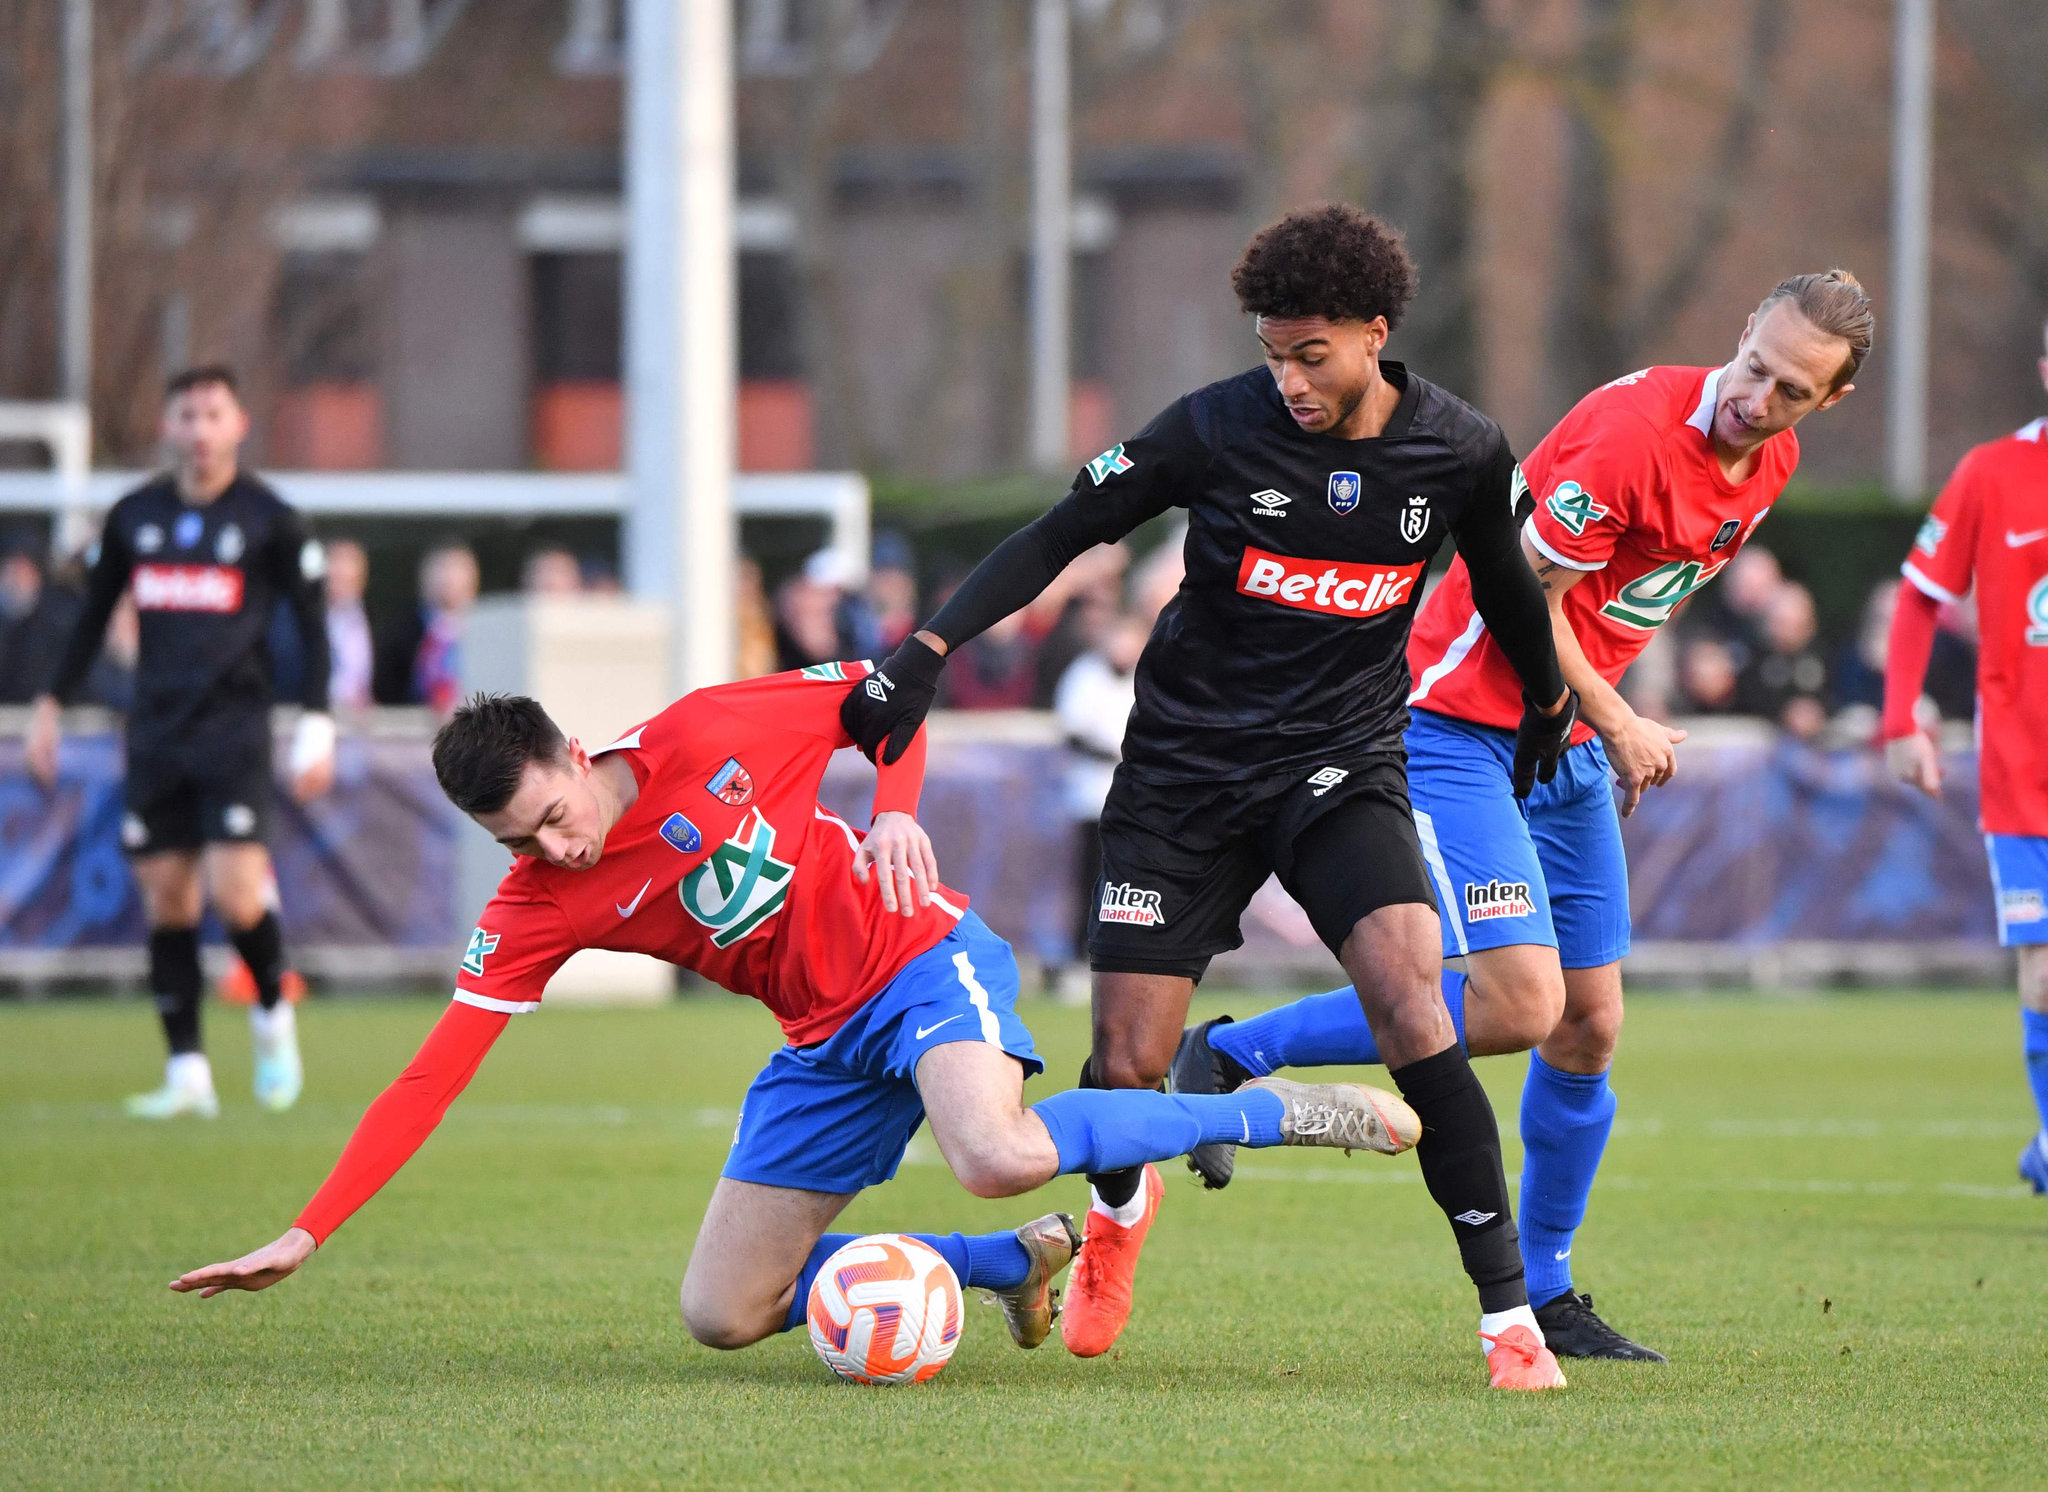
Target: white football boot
187,1089
275,1035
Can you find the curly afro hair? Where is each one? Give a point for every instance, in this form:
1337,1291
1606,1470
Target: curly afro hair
1334,261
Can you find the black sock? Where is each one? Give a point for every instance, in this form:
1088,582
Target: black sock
174,981
261,945
1460,1156
1113,1188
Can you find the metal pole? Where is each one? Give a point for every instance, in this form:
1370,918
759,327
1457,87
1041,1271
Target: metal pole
74,294
1051,235
1912,214
681,344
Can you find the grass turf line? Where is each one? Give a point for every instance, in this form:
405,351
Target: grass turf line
1810,1205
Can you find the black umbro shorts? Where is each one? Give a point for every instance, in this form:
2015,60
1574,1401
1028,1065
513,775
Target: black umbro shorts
1182,860
214,788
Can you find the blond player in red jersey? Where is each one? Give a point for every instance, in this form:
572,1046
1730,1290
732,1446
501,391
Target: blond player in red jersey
698,839
1639,497
1989,531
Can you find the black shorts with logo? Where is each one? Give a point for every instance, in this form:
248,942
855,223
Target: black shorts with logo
1182,860
214,787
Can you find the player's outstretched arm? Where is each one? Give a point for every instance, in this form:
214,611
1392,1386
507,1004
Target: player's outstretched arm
899,851
394,1126
1641,751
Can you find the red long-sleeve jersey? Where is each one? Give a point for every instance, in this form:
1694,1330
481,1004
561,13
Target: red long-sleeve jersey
726,864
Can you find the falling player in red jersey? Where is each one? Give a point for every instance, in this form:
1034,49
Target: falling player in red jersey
1639,497
698,839
1989,530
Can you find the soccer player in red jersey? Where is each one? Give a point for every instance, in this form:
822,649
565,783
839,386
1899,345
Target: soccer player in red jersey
1989,529
698,839
1639,497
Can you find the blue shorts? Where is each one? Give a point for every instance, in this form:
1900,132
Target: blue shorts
835,1116
2019,887
1549,870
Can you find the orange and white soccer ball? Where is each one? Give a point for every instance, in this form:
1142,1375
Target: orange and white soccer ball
885,1309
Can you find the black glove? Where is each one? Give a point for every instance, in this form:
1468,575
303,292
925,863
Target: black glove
883,711
1540,740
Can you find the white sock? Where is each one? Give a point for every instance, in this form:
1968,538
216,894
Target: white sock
189,1072
1131,1213
272,1026
1493,1323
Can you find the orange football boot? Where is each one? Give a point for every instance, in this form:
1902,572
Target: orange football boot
1099,1290
238,985
1517,1358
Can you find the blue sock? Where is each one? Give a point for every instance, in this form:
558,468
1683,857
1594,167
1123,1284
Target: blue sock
1326,1030
985,1261
2034,1029
1566,1117
1099,1129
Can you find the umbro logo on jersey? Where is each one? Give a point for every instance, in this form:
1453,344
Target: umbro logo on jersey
1328,586
1122,902
2021,541
1326,779
1344,490
682,834
1270,504
1498,899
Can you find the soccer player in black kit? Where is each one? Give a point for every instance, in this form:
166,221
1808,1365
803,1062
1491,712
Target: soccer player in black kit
1267,736
207,550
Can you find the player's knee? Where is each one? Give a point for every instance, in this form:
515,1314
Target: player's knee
1128,1067
1530,1012
994,1171
715,1323
1592,1033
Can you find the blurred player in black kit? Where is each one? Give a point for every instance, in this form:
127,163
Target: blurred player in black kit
207,551
1267,737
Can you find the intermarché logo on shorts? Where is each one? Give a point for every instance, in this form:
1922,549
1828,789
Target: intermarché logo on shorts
1498,899
1122,902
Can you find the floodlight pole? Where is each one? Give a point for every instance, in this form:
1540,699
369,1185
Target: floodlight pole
74,293
1052,211
681,345
1912,216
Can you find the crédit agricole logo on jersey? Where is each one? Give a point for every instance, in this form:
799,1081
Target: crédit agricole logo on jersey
1647,601
740,885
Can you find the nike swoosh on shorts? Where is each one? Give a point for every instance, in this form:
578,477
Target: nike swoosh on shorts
924,1031
634,905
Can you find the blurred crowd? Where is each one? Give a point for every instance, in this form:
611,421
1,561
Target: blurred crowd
1749,645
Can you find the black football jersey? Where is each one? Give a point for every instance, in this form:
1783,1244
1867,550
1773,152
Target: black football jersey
1287,643
206,580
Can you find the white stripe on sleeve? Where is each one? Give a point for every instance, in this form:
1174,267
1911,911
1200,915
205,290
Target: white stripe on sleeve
1926,586
503,1007
1536,539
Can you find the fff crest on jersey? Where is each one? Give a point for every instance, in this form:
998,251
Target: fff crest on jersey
185,533
731,783
682,834
1415,519
1724,534
1344,488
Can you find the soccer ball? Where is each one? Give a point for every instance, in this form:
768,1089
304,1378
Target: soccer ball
885,1309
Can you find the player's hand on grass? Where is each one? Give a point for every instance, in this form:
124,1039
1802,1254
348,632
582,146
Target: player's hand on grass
1643,754
45,728
900,852
1915,761
1541,739
883,711
257,1271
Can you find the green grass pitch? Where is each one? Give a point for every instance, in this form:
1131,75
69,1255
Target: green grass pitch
1809,1204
